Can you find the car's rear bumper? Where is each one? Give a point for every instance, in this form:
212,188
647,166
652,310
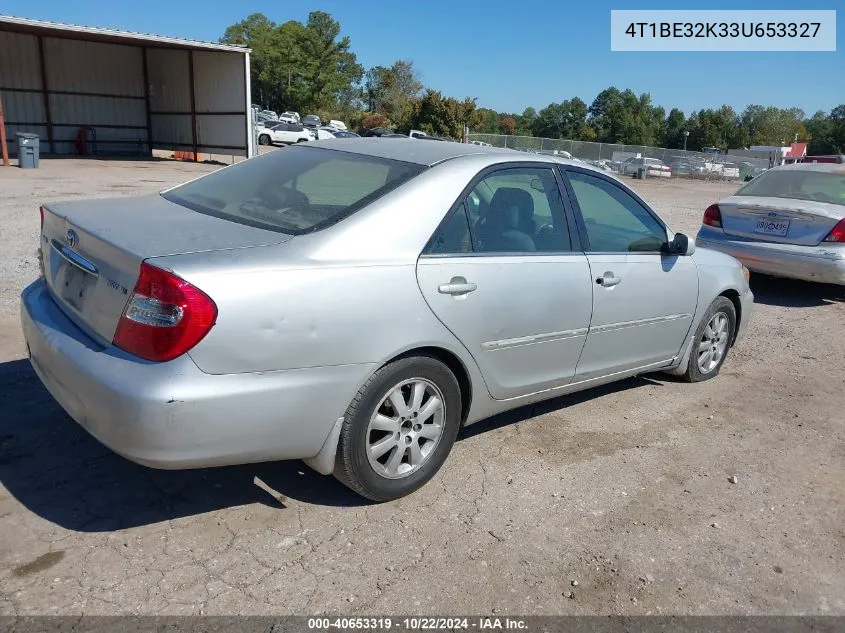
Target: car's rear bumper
823,263
172,415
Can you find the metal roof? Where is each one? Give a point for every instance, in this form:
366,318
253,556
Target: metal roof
91,33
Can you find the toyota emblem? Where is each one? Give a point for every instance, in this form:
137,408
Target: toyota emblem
71,238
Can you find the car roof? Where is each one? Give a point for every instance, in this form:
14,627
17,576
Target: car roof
834,168
411,150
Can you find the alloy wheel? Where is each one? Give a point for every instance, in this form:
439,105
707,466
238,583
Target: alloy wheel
405,428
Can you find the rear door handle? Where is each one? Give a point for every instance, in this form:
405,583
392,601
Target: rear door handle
608,279
457,286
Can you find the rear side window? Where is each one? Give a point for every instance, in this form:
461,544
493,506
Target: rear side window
295,190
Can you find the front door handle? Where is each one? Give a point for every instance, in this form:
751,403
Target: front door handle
608,279
456,286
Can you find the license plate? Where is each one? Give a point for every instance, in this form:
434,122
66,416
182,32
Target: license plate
73,285
772,227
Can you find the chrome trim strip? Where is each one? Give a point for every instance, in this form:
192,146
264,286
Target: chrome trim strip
535,338
628,324
72,258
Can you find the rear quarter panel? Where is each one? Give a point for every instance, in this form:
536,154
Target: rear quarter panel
290,318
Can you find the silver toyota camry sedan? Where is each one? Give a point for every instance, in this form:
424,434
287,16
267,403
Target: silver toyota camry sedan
354,302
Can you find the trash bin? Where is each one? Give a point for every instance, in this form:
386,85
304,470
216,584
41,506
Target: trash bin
641,172
28,150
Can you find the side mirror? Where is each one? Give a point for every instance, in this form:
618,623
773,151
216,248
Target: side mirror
680,245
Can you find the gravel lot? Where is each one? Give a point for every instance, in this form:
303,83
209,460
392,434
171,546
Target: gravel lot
622,489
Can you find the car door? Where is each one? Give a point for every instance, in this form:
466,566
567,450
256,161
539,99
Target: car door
505,274
280,133
643,299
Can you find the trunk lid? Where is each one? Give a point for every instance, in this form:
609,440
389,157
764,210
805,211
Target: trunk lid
780,220
92,251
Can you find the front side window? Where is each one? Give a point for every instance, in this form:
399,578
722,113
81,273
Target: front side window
614,220
294,191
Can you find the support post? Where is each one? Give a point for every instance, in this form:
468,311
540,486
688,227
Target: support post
193,104
3,146
147,101
44,89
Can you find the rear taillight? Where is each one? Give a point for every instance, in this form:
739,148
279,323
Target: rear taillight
838,232
165,316
712,216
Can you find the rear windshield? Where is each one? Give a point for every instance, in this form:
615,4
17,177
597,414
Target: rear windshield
294,190
798,185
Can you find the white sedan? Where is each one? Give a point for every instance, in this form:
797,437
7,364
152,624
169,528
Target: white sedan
654,167
286,133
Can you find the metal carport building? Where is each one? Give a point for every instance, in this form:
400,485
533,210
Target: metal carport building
105,92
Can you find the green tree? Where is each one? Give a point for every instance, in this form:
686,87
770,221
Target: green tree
561,120
487,122
827,132
672,134
258,33
442,116
390,90
771,126
623,117
299,66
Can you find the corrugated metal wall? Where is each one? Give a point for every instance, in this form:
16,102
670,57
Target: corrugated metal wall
101,85
97,85
170,97
19,69
220,88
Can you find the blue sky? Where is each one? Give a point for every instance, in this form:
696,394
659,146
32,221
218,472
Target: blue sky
506,53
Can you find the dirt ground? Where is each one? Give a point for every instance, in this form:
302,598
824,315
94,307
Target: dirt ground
623,489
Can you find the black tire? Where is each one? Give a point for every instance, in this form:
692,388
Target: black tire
302,140
264,139
720,305
352,466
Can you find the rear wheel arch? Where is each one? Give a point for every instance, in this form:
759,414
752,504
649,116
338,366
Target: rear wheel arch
455,365
733,296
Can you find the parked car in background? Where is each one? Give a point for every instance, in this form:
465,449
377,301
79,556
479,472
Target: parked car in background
345,134
340,125
294,116
730,171
379,131
253,324
270,114
261,118
601,163
786,222
311,120
323,133
654,167
285,133
749,170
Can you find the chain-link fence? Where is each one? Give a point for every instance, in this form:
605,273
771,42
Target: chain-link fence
622,158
